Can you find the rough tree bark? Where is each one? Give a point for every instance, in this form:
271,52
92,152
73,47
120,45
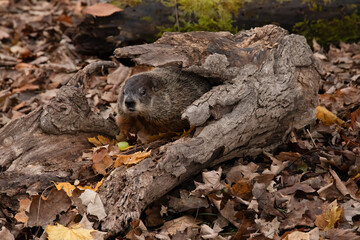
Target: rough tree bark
269,82
43,146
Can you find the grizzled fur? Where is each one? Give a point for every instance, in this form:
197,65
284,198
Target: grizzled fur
152,102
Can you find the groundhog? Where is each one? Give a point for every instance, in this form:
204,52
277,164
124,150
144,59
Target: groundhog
152,102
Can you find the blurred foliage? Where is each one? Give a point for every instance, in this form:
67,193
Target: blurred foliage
125,3
346,29
203,15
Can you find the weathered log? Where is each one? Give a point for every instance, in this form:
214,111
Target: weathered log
139,24
268,86
43,146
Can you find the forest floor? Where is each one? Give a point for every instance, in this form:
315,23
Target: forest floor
308,189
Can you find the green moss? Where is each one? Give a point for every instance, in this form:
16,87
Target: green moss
203,15
125,3
346,29
146,19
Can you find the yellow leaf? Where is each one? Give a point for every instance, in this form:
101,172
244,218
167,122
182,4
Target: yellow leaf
100,141
94,141
355,178
59,232
104,140
330,216
131,158
327,117
67,187
98,184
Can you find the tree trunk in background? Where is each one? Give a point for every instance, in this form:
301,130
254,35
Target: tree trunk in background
140,24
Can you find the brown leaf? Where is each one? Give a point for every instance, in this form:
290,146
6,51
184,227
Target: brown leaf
5,234
297,187
340,234
242,189
153,217
101,161
339,184
26,87
179,225
21,215
331,215
187,202
102,9
43,210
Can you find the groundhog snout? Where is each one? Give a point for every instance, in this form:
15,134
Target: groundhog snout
130,104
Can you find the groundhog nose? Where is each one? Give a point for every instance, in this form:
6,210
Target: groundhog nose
130,105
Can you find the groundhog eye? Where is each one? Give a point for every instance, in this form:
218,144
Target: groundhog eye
142,91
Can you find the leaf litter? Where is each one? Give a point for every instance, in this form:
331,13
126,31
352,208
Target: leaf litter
309,189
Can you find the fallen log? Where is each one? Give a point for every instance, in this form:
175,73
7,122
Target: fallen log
142,23
267,86
43,146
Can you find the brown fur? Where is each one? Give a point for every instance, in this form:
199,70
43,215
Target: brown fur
157,100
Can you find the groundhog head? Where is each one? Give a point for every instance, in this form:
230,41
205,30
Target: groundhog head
136,95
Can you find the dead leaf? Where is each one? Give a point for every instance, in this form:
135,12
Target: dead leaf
339,184
179,225
297,235
102,9
25,88
242,189
67,187
81,231
137,231
101,160
227,211
187,202
211,183
5,234
100,141
153,216
131,159
43,210
94,204
59,232
208,232
340,234
331,215
95,189
328,117
21,215
269,229
351,209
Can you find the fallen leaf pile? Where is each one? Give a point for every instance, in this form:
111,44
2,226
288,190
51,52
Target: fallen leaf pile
308,189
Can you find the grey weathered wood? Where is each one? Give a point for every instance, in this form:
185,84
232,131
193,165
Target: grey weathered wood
269,83
43,146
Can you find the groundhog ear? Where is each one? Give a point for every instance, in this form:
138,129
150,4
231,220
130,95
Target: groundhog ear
155,85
